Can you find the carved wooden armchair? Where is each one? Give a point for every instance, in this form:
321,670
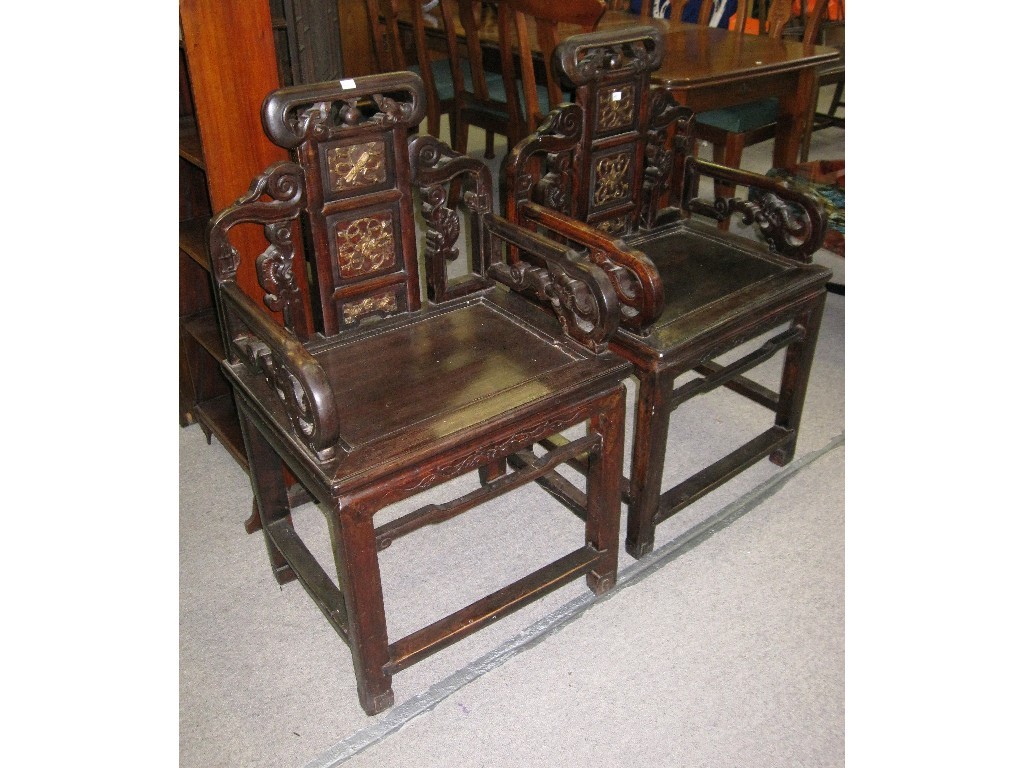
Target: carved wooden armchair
376,395
594,175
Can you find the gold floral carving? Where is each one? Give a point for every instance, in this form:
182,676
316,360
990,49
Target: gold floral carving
355,310
612,178
356,165
365,245
615,108
615,226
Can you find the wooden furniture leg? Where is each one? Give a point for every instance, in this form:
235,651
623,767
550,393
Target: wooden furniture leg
355,556
604,473
796,373
650,436
266,473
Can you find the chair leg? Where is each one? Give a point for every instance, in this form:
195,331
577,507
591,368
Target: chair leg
461,136
604,487
837,97
453,130
270,493
796,373
650,436
355,556
489,145
491,472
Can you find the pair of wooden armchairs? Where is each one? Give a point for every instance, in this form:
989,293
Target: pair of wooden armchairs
371,395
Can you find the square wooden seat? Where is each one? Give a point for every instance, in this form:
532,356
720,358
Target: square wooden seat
370,396
597,175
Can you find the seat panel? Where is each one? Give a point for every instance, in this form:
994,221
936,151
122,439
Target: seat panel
451,362
710,281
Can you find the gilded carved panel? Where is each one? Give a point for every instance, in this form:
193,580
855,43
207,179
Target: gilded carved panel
383,303
614,226
355,166
365,245
612,178
615,108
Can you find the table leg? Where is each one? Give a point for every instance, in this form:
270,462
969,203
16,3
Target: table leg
793,117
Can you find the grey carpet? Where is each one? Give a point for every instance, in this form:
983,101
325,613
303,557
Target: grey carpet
728,650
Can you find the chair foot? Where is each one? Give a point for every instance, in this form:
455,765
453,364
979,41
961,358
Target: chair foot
782,456
374,704
600,583
639,549
253,523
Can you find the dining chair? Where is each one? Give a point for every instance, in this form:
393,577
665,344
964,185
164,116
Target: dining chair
542,17
486,98
372,395
731,129
832,32
390,51
691,11
594,176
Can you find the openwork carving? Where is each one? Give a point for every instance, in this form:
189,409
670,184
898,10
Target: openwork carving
792,228
615,109
436,165
571,298
275,273
612,178
385,304
442,230
617,225
294,115
627,287
365,245
297,397
607,54
356,165
283,184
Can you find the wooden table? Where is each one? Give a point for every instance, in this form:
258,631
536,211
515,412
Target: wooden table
710,68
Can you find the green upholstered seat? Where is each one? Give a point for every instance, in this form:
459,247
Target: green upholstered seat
743,117
445,87
543,102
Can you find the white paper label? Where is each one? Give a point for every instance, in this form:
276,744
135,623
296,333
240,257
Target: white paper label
348,84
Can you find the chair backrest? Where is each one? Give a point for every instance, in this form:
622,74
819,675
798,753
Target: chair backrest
536,21
349,143
609,164
481,19
390,51
815,21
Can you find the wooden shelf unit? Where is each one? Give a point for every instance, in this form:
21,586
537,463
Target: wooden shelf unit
228,64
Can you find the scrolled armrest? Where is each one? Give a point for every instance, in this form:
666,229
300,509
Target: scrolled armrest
580,294
634,277
791,222
294,376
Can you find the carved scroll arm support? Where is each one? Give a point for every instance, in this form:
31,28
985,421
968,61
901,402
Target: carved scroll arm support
580,294
524,178
448,180
635,279
792,223
293,375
